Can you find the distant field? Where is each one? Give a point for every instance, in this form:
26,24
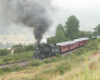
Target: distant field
6,48
21,38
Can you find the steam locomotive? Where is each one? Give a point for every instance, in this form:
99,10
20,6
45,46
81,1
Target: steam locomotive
53,49
46,51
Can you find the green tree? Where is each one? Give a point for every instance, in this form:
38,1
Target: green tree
18,48
51,40
60,36
82,34
95,33
97,29
60,27
89,34
72,27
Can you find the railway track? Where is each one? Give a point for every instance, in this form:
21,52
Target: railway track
23,63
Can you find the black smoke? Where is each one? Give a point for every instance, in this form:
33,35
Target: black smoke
31,13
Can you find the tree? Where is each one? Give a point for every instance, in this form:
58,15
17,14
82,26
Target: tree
97,29
88,34
95,33
51,40
60,36
17,48
60,27
82,34
72,27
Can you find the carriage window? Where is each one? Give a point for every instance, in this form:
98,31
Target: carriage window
71,45
64,47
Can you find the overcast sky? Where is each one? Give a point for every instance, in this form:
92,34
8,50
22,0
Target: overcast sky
86,11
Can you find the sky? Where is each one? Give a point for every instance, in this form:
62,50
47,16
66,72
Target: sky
86,11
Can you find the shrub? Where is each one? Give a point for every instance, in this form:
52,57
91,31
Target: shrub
7,59
91,45
15,67
62,67
3,52
1,71
49,71
29,47
47,61
36,63
7,69
79,52
54,59
58,55
18,48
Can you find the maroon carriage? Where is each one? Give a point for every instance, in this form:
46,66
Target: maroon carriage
64,46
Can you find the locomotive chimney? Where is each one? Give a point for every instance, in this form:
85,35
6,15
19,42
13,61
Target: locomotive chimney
38,42
38,46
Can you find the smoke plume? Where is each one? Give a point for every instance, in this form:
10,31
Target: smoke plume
31,13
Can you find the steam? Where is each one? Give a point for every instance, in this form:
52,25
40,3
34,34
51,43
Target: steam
31,13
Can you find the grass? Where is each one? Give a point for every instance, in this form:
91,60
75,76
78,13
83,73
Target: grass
75,66
89,70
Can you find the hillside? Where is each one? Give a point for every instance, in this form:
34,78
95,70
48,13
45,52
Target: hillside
82,64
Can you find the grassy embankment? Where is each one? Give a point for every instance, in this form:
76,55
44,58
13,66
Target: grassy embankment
67,67
11,58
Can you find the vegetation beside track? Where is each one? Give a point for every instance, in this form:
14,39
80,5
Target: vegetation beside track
11,58
53,67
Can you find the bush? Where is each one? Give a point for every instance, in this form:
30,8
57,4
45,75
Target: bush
29,47
62,67
58,55
36,63
7,69
18,48
3,52
47,61
49,71
7,59
79,52
1,71
54,59
15,67
91,45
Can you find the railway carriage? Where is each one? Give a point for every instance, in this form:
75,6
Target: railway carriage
81,42
64,46
76,43
71,45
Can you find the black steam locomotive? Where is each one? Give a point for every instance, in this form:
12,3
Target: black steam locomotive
46,51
